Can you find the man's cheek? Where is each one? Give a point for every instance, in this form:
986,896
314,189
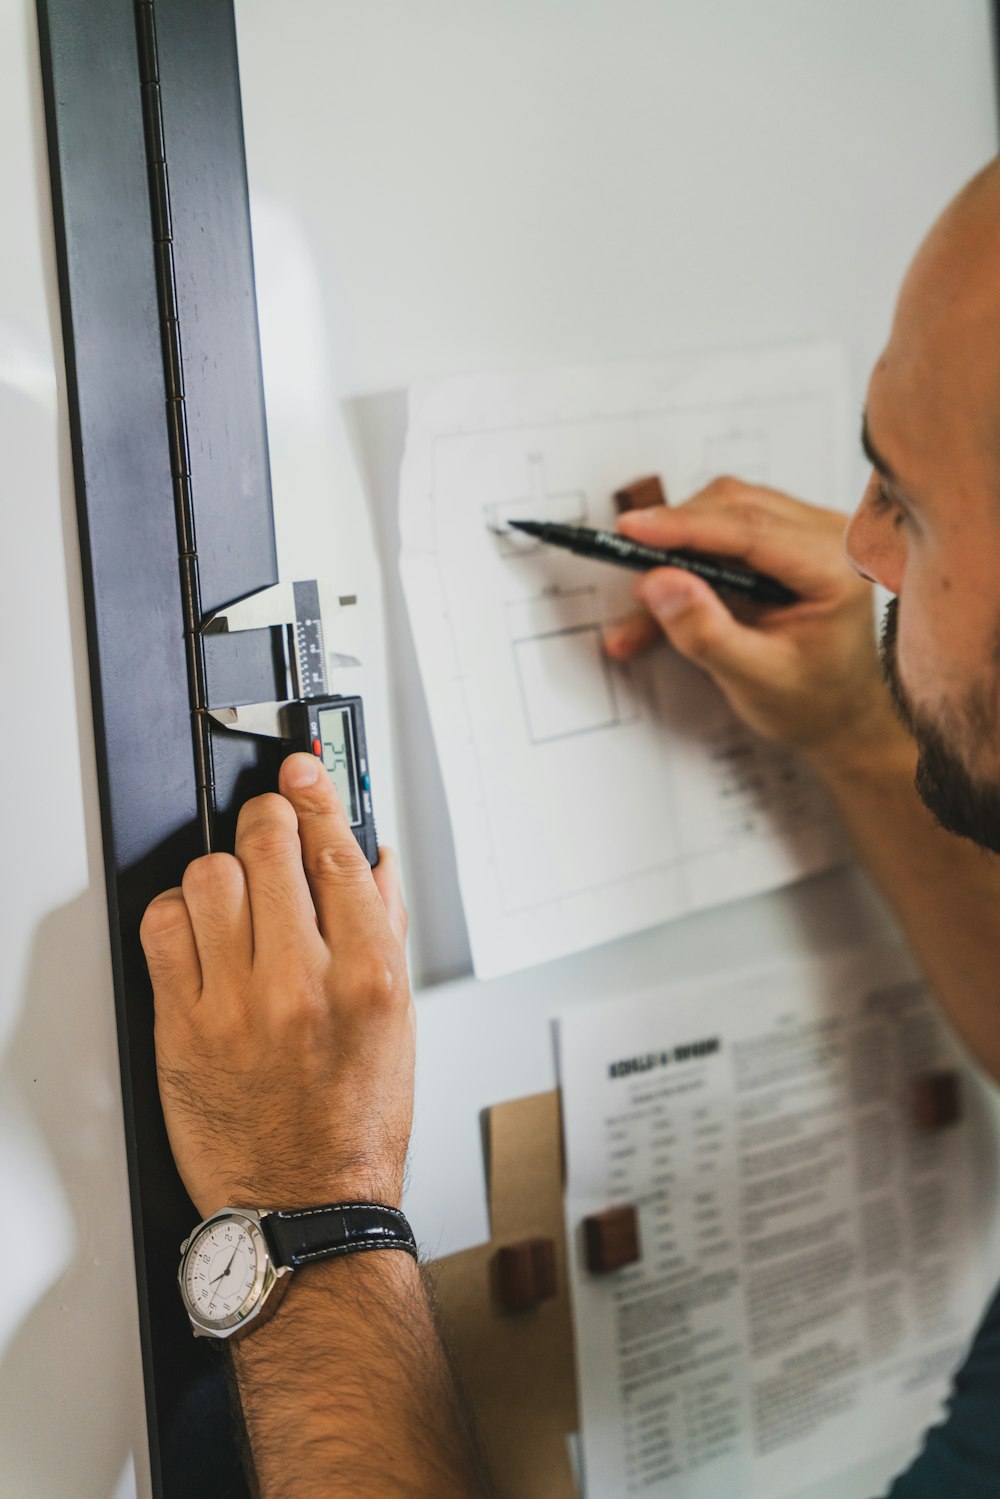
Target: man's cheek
923,670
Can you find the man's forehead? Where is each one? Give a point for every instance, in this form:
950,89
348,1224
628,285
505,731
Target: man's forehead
954,277
933,412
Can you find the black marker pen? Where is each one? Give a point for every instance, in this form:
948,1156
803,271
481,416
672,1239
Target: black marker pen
608,546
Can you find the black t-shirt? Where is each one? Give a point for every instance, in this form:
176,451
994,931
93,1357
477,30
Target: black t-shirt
961,1456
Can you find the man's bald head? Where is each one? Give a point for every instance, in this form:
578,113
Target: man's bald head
928,527
957,261
943,356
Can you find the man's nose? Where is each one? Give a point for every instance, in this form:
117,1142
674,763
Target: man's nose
875,548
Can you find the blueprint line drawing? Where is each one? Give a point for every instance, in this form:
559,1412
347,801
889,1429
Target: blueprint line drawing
684,808
567,684
742,452
568,509
536,503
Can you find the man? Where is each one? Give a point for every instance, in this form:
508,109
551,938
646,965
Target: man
283,1019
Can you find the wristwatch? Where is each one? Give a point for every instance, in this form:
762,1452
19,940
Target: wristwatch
236,1264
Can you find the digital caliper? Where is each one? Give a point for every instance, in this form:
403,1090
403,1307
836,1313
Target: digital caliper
311,717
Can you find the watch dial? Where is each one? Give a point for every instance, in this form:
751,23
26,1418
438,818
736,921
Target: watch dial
223,1274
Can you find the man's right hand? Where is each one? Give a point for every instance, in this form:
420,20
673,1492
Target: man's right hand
804,675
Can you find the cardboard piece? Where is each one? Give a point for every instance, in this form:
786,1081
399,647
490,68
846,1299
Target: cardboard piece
517,1369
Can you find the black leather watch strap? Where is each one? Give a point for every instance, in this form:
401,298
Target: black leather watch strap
296,1236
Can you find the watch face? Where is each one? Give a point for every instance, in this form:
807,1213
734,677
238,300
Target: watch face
223,1272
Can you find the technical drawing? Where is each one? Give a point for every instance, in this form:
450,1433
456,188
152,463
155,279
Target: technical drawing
570,508
565,684
533,720
568,685
741,453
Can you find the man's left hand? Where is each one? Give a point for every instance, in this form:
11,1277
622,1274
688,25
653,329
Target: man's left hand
284,1024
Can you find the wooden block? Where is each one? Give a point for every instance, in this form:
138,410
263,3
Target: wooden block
525,1274
937,1100
640,494
611,1239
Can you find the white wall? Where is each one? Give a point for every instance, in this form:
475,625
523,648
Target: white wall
72,1421
489,182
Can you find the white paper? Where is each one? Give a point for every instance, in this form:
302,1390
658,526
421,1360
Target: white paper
590,799
811,1261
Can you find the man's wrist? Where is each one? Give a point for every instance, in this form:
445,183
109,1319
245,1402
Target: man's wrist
312,1298
348,1385
279,1190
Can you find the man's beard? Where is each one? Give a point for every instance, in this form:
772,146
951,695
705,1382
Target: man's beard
959,802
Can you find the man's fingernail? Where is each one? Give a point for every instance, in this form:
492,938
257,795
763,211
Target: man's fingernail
664,598
302,770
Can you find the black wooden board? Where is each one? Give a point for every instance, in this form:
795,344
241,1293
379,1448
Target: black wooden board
118,386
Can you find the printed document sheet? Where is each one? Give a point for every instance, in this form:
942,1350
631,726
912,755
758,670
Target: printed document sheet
589,799
811,1264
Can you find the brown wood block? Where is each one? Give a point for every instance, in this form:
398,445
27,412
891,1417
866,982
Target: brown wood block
640,494
937,1100
525,1274
612,1239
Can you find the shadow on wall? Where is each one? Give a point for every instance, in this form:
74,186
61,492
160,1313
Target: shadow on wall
439,945
71,1369
70,1375
71,1380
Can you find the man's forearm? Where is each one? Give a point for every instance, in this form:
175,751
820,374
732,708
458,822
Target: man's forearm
943,890
346,1390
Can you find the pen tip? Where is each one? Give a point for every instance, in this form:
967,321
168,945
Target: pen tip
501,528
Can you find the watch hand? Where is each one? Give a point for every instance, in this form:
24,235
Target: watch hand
226,1271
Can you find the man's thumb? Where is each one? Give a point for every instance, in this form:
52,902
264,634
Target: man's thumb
697,622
